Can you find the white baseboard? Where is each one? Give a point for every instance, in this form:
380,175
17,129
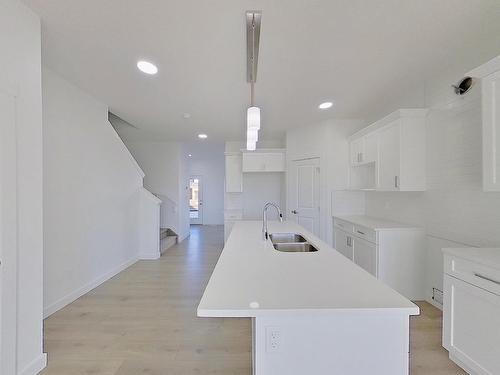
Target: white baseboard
36,366
67,299
149,256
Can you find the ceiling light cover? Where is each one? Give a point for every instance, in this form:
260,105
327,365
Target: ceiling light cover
147,67
253,118
325,105
202,136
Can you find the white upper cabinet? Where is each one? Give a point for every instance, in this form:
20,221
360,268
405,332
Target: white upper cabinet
234,176
370,152
393,153
489,74
363,150
264,161
356,148
389,157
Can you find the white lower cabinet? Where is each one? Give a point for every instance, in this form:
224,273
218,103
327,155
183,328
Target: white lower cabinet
365,255
471,317
396,256
343,243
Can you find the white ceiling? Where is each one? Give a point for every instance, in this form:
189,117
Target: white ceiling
352,52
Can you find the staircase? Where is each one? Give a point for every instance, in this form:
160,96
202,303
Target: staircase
168,238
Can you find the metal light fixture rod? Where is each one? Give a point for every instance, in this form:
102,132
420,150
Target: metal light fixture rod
253,18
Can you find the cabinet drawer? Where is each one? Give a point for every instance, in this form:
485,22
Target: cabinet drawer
365,233
344,225
476,274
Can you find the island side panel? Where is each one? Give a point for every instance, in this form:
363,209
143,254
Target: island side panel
344,343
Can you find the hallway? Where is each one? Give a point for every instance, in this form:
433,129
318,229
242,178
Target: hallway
143,321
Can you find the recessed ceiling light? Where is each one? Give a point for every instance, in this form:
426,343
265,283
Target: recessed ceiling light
190,155
202,136
325,105
186,115
147,67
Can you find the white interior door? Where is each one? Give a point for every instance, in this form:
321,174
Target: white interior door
195,200
8,234
304,194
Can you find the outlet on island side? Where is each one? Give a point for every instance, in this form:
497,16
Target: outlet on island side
273,339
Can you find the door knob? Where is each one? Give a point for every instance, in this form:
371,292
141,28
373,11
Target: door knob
295,212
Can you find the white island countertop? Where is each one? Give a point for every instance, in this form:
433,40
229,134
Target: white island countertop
250,272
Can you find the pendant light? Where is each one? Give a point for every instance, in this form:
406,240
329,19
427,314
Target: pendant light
253,112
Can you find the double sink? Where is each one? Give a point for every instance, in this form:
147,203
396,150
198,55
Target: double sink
291,243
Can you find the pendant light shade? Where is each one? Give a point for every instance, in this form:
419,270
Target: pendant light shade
252,135
253,118
251,146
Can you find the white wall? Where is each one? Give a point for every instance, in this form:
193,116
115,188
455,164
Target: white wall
91,194
454,210
149,225
327,141
258,188
20,74
207,161
165,166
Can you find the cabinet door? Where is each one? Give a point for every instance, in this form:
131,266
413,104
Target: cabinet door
365,255
389,158
491,131
370,153
274,161
356,150
343,243
234,177
471,326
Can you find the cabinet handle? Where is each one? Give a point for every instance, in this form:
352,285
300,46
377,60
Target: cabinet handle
360,232
396,181
486,278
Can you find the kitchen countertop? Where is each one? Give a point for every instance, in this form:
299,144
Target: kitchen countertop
375,223
250,272
487,256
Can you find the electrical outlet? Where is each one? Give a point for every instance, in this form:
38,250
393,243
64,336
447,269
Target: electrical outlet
273,339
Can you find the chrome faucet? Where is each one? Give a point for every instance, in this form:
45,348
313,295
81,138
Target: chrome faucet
265,235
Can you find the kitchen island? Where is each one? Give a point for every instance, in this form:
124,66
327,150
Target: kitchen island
312,312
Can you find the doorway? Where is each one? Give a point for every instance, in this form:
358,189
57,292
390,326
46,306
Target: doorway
8,233
304,204
195,200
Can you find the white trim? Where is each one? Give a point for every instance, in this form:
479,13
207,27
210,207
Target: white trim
400,113
183,236
67,299
149,256
151,196
132,159
35,366
486,69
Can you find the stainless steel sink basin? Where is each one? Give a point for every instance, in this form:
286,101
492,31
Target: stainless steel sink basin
300,247
286,238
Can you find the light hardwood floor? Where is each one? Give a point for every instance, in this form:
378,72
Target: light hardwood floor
143,321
